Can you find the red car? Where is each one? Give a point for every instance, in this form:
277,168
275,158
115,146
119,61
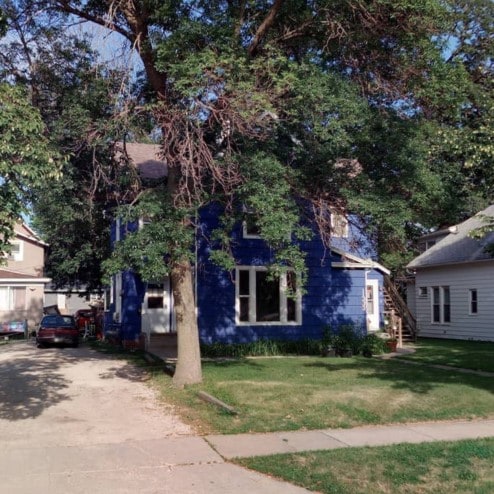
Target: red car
57,329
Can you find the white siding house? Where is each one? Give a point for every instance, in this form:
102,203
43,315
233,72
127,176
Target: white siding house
453,294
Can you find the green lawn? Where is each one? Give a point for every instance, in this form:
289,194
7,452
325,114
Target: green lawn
273,394
467,354
463,467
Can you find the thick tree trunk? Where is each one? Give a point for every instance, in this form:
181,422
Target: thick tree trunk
188,370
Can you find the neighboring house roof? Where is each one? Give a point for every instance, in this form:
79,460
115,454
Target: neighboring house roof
458,246
147,159
22,230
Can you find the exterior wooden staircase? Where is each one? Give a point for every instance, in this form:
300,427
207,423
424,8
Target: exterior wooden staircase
397,314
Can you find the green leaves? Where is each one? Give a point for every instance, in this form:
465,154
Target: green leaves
27,159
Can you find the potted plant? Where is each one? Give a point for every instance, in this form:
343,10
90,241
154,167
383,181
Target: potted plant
392,344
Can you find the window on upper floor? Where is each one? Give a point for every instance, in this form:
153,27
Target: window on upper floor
17,251
441,305
249,227
262,298
145,220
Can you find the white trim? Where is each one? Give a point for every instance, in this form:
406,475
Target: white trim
442,289
24,281
247,235
11,299
143,221
373,320
252,270
117,229
36,240
16,256
356,262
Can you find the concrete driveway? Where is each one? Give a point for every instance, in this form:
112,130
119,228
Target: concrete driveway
76,421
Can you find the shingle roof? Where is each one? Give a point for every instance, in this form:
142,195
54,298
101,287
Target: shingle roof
458,246
146,157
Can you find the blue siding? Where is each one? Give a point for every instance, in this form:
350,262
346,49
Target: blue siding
133,289
334,296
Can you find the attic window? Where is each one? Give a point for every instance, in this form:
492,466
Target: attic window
250,228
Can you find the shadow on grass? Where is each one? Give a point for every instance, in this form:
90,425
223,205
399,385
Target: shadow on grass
403,376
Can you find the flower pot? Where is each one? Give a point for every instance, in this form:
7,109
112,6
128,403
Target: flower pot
392,344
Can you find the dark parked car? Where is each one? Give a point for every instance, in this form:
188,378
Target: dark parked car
57,329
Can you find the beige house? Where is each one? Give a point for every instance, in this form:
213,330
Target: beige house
21,278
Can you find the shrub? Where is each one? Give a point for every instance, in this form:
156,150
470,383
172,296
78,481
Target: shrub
347,339
261,348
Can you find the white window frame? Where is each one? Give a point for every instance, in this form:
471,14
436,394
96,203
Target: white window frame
246,234
441,291
19,255
144,220
253,302
339,225
473,300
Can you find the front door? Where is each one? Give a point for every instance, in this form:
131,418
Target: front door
156,308
372,304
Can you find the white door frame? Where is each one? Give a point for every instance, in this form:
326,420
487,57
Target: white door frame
157,318
372,304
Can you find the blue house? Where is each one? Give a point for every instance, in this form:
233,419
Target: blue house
243,305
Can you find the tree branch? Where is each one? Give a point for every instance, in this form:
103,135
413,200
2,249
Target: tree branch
66,7
264,27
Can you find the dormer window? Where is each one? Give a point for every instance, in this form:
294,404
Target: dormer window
339,225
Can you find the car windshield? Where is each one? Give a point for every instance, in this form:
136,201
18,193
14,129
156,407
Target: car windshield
57,321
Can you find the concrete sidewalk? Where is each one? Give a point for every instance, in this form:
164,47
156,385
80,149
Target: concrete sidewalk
246,445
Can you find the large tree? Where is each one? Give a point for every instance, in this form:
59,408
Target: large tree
283,104
77,97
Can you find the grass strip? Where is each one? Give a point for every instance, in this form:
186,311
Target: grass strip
462,467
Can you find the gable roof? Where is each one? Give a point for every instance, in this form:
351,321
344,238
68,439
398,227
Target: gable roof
353,261
146,158
458,246
22,230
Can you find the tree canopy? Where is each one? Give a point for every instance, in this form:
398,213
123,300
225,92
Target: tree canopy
26,158
382,108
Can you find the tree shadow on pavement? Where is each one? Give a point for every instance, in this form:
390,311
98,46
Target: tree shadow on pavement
32,380
28,385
